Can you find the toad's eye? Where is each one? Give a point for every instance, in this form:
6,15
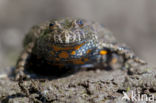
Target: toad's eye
52,26
80,23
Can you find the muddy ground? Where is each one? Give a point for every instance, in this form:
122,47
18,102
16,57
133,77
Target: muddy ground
88,86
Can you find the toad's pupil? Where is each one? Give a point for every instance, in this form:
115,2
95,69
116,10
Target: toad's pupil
51,24
80,22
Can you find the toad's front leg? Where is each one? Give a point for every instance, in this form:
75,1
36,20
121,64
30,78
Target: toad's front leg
19,71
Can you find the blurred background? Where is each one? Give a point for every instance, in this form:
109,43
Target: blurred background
132,21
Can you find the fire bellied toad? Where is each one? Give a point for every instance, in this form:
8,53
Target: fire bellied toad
59,45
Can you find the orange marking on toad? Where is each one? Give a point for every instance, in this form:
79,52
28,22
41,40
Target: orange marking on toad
57,48
73,52
77,61
86,59
63,55
88,51
79,46
103,52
